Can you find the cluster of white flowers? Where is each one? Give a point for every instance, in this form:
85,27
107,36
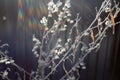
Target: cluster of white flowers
36,46
44,21
52,7
61,14
66,11
59,49
37,42
67,7
108,8
65,14
55,25
67,4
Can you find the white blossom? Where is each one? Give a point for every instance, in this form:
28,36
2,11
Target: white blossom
52,7
107,9
71,21
52,31
68,19
108,23
60,16
65,26
67,4
46,28
62,29
69,40
83,67
55,24
44,21
56,57
36,40
59,39
59,3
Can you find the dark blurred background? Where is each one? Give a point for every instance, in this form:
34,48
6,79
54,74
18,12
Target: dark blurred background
19,19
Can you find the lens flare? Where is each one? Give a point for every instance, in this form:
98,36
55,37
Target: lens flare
30,13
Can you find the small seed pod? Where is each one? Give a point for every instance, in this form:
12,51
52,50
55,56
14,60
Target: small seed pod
108,23
82,64
83,67
107,9
71,21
